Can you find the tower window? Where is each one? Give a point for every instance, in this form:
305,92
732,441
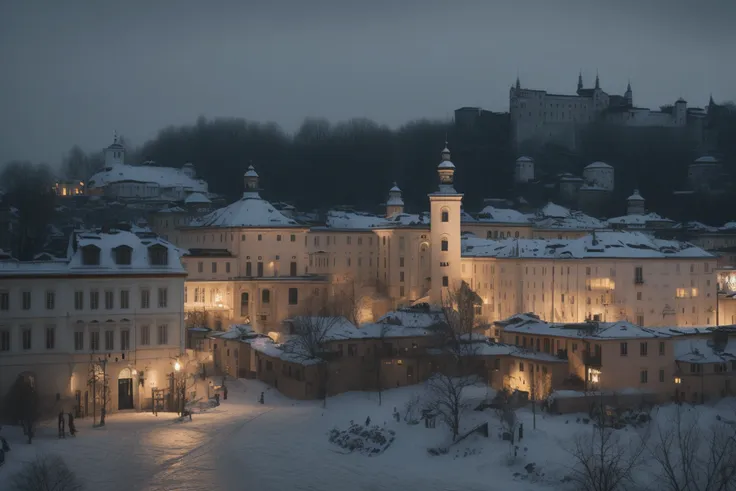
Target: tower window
444,245
445,281
445,216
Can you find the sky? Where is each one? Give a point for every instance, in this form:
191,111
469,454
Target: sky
74,72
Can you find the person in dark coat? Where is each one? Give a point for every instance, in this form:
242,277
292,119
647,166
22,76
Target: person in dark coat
72,428
62,432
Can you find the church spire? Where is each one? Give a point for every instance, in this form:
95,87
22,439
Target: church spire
518,84
597,81
580,80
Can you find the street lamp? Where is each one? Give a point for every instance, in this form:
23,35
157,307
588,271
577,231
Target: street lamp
177,365
678,381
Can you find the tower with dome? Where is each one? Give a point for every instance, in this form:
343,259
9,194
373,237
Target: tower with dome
445,216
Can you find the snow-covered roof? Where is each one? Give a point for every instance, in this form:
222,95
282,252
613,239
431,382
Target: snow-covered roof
575,221
703,350
236,331
446,164
413,318
490,214
107,243
197,198
339,219
638,219
598,165
551,210
173,209
635,196
249,211
164,177
525,159
353,220
531,324
699,226
600,245
706,159
395,201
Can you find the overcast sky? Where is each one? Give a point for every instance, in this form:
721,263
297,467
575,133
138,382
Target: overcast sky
75,71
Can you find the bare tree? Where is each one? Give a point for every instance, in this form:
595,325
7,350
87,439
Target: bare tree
98,382
506,413
539,388
196,318
44,474
308,343
446,399
693,459
378,360
345,302
459,326
22,405
603,461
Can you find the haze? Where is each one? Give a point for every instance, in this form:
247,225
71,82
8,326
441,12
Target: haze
73,72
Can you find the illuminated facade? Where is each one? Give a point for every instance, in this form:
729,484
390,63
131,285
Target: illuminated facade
116,298
252,263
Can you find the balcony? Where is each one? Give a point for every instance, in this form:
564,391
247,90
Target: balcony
592,359
638,280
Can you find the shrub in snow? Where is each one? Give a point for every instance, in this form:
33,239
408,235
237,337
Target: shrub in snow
437,451
368,440
46,473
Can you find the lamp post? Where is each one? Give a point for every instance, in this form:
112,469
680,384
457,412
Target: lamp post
177,383
678,381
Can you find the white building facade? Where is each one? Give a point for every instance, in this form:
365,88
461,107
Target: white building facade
115,305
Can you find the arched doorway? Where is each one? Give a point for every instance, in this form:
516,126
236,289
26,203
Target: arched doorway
125,389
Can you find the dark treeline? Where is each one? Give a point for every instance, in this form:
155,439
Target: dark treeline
351,163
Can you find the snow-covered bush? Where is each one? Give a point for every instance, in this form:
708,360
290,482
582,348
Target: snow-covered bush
368,440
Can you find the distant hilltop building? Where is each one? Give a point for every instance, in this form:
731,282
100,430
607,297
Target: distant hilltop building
119,180
540,117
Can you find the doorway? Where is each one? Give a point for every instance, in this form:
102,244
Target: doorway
125,390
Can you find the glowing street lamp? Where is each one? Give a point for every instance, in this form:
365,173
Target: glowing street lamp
177,366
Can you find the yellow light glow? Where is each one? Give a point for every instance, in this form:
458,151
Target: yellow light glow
594,375
177,366
678,380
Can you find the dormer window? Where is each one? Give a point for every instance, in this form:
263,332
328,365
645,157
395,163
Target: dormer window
91,255
159,255
123,255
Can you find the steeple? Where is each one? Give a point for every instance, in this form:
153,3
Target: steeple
597,81
628,95
518,83
394,204
446,171
251,179
711,103
580,81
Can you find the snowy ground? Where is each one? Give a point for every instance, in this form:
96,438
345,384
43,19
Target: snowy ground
283,444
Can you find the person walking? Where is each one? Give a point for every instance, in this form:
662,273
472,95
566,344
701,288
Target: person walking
62,432
72,428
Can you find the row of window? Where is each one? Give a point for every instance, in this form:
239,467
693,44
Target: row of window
108,298
158,255
200,296
26,338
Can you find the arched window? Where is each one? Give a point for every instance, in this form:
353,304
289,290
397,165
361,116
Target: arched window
266,296
445,215
444,245
244,300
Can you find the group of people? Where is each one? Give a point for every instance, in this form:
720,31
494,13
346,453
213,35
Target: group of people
72,428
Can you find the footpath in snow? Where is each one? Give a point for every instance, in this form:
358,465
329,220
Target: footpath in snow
284,444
